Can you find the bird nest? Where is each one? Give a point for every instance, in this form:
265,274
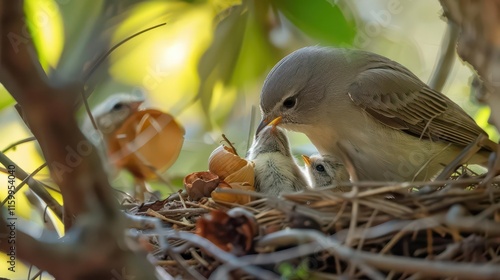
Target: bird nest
447,229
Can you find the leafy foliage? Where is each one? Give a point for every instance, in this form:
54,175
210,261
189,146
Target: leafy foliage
319,19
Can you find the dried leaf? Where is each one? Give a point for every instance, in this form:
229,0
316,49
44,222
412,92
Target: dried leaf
245,175
224,161
200,184
232,231
230,197
148,140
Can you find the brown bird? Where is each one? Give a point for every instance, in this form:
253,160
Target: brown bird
390,124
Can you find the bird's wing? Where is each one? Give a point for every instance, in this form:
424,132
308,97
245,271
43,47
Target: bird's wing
401,101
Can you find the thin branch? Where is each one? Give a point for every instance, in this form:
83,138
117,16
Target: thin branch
17,143
112,49
34,185
446,58
85,94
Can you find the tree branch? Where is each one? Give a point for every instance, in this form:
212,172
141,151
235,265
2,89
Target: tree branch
478,44
446,58
94,246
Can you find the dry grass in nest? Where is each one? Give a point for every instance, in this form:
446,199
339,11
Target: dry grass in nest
448,229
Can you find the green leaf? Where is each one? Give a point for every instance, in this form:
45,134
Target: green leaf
80,19
318,19
257,54
218,62
482,116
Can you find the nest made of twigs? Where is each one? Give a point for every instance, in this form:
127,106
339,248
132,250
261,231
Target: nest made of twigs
445,230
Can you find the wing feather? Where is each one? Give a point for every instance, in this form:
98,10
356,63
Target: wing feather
398,99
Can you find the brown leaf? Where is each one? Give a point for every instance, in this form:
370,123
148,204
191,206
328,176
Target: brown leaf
223,161
200,184
148,140
232,231
230,197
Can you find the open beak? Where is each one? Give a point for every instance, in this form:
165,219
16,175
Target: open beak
307,160
261,126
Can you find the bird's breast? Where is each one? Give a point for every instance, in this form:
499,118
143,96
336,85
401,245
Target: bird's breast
380,153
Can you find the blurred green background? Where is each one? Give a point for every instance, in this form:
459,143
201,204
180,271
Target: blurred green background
207,63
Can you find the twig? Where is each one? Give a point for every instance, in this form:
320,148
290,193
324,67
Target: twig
354,220
184,265
302,236
17,143
182,199
199,205
174,263
397,263
198,258
337,216
219,254
105,55
183,211
229,143
24,182
456,218
34,185
463,157
446,58
153,213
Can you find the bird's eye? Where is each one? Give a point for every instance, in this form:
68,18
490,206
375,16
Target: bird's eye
289,102
118,106
320,168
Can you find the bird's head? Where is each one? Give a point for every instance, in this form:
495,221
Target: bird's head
112,112
325,170
271,139
297,88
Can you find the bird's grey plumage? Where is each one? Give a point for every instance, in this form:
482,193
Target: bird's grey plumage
393,126
325,171
275,169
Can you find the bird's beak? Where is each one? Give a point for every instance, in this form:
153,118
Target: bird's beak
307,160
276,121
261,126
134,106
265,123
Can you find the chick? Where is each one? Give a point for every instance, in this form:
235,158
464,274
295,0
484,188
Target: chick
325,171
275,169
109,116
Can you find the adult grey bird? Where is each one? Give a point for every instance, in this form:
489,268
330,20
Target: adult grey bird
390,124
325,171
275,169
